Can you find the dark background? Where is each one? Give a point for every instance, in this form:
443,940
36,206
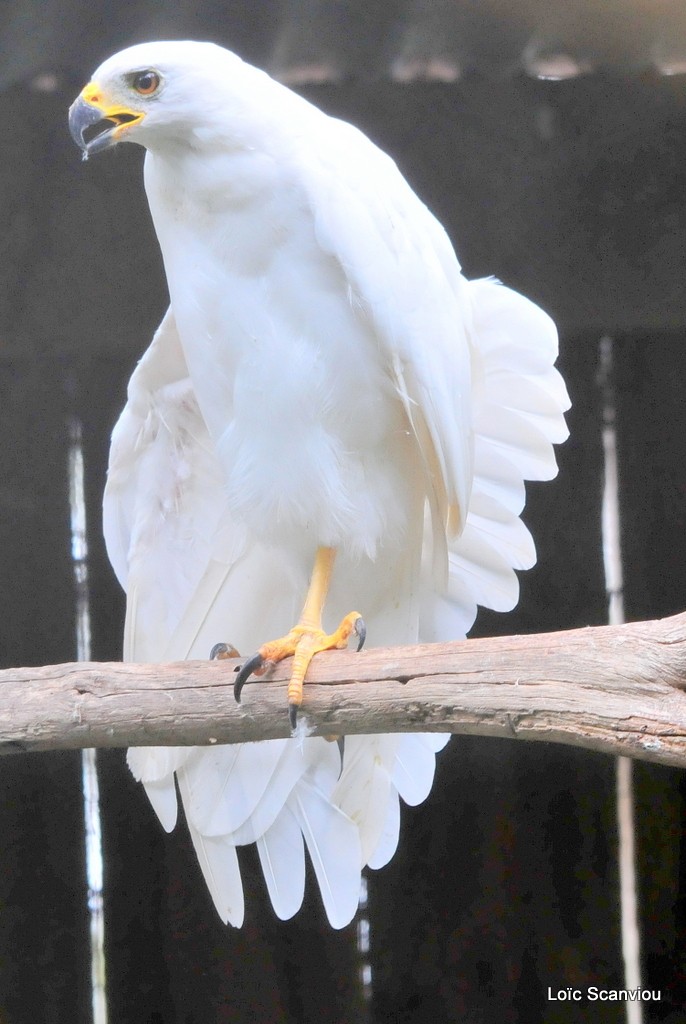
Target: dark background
572,190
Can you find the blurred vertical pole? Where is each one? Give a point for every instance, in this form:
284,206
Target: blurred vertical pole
91,796
614,584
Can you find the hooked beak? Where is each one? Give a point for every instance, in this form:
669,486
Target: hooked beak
96,125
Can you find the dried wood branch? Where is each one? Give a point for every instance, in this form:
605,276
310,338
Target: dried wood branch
618,689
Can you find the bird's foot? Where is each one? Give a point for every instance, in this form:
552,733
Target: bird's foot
302,643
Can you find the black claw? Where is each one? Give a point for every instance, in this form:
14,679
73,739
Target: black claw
360,631
251,665
218,650
293,715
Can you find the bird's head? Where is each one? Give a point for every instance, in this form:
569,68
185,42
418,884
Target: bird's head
149,90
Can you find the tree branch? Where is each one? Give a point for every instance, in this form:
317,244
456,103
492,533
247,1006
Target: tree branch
618,689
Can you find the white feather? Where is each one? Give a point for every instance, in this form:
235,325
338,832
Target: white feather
225,784
219,862
162,796
298,760
388,836
153,764
333,843
364,790
413,768
282,857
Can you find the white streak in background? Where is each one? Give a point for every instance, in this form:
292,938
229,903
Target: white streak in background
363,943
611,528
614,588
91,795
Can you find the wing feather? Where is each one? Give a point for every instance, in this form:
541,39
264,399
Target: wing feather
404,276
519,401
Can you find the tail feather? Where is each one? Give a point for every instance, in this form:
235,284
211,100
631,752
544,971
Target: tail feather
365,788
226,783
219,863
413,768
282,857
333,843
387,841
298,760
162,796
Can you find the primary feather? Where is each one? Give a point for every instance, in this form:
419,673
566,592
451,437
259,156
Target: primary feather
324,376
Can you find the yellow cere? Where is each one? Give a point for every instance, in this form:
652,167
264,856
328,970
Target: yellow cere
124,116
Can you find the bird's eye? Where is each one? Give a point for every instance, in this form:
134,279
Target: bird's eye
146,82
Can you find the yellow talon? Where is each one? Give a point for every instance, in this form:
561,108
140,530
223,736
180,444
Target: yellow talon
307,638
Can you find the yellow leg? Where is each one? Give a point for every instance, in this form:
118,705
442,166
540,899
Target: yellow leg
307,638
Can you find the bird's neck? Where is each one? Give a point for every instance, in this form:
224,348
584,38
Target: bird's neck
196,181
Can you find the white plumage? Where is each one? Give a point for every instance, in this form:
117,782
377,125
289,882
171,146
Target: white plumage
324,376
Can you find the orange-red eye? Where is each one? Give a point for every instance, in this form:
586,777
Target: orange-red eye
146,82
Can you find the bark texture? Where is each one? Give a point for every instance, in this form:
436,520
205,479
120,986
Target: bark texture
618,689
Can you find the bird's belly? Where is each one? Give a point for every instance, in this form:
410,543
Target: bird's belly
304,416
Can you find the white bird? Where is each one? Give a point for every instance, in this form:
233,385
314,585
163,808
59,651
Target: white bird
326,387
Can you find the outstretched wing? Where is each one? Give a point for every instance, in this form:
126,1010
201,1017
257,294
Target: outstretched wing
519,400
472,361
189,573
